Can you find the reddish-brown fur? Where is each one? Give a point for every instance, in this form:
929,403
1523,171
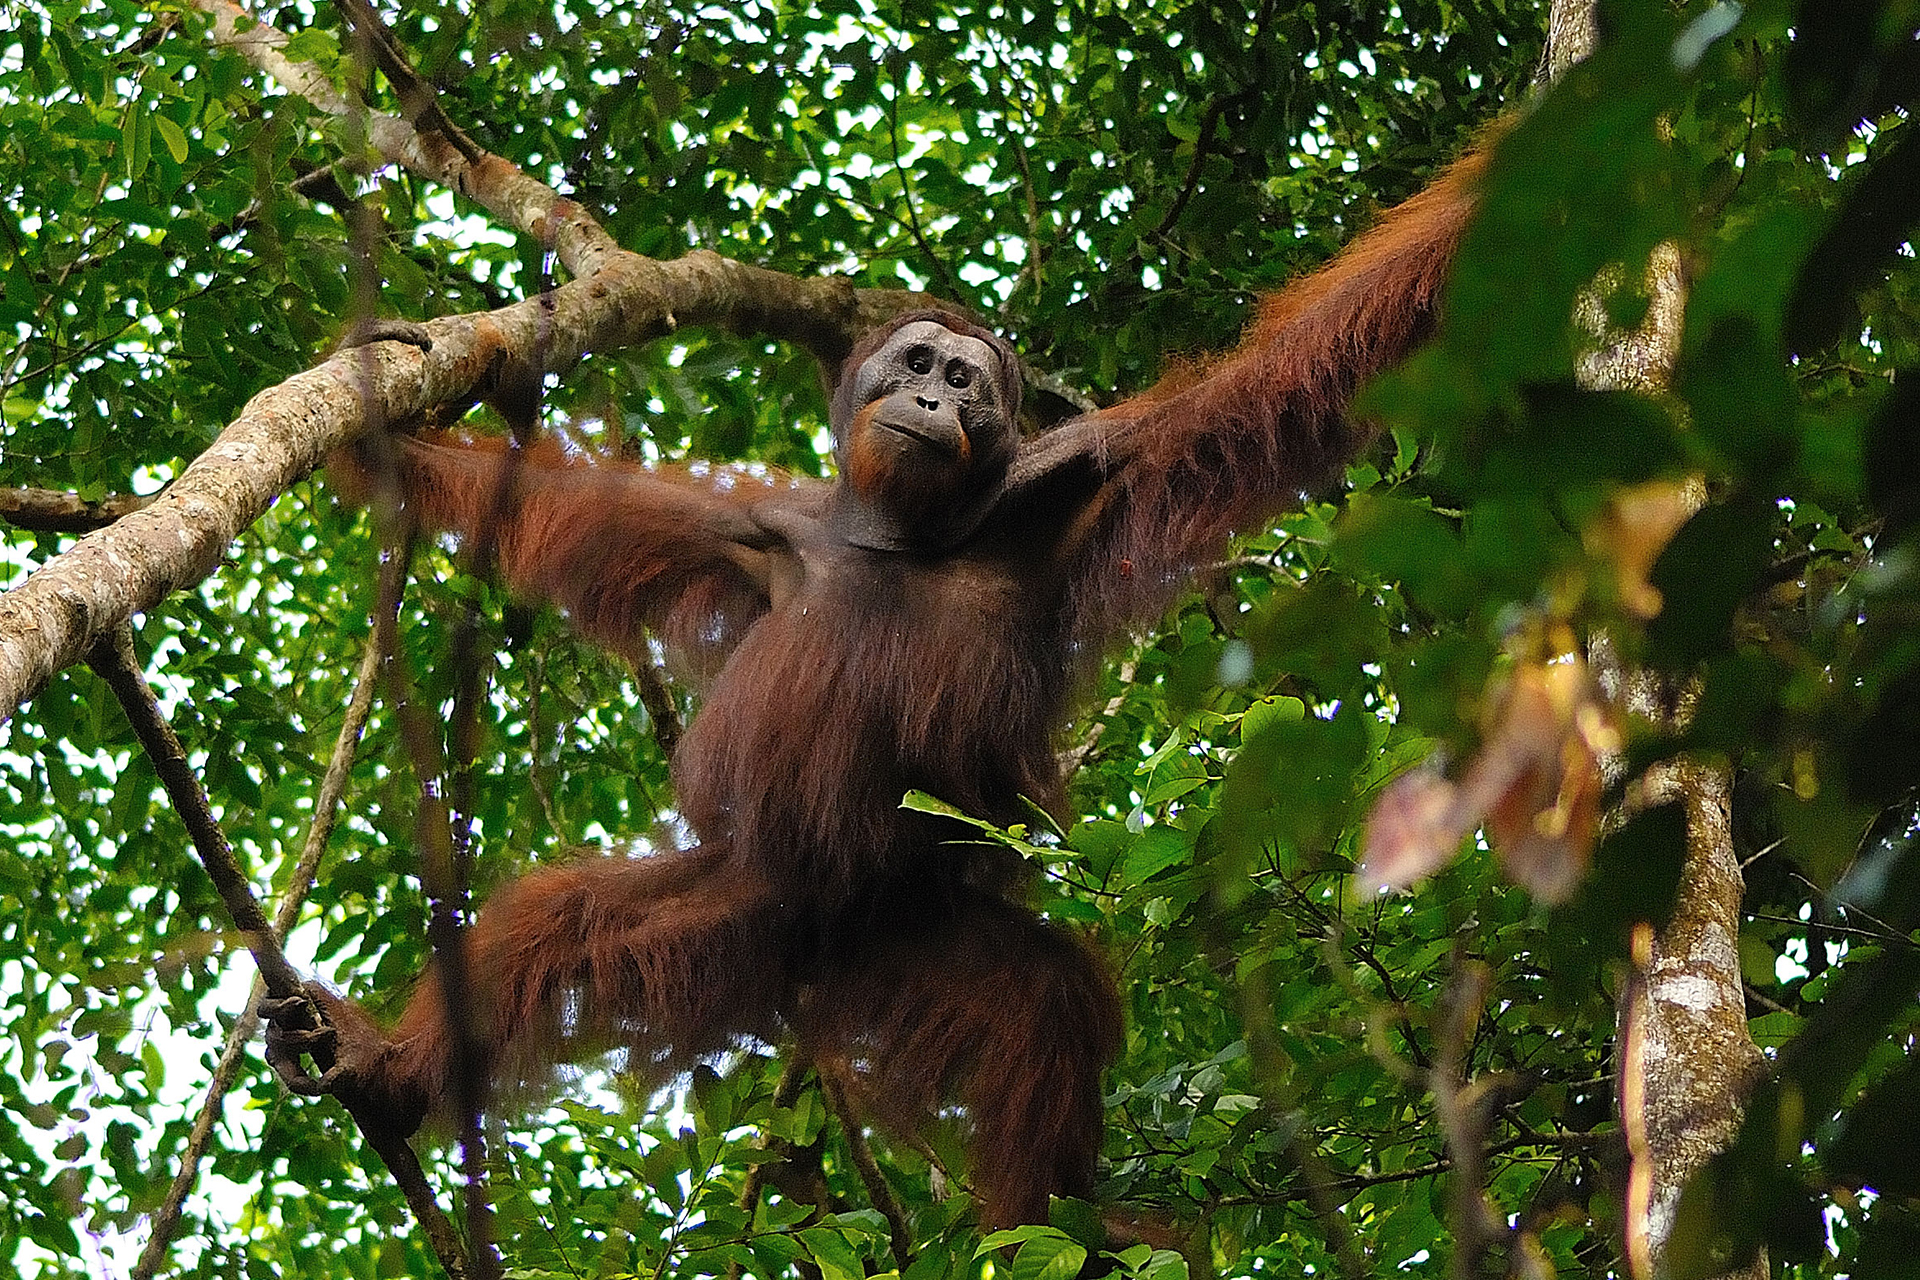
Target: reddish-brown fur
841,678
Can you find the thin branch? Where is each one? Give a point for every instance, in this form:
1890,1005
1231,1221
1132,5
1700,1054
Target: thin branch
657,698
1053,384
536,684
1883,936
517,388
59,511
1754,995
320,183
1317,1189
439,868
444,829
1337,949
1464,1110
51,297
1074,758
116,663
59,356
1789,568
1037,250
1191,182
419,99
1204,137
793,1079
326,810
1350,1184
906,190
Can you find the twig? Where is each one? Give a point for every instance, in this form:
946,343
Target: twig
1463,1113
1201,140
657,698
793,1078
1074,759
1317,1190
318,183
793,1075
434,834
1633,1109
1337,950
418,99
953,286
536,684
1054,385
1351,1184
1884,937
1204,136
1037,251
326,809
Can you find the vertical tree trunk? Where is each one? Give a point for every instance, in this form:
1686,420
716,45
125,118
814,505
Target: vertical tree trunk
1686,1056
1687,1030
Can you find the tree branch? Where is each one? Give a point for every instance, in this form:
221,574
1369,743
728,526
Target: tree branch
421,101
114,660
58,511
655,695
833,315
440,872
116,663
74,600
326,810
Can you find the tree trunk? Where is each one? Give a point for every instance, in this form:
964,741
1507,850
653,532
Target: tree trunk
1686,1057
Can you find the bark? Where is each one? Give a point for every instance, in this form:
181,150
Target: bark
56,511
1685,1027
1689,1029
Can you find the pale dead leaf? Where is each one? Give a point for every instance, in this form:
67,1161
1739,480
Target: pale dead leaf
1415,827
1638,523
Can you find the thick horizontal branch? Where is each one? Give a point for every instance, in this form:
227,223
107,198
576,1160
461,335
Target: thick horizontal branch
70,603
619,300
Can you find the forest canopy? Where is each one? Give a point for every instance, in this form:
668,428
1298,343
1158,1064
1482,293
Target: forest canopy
1507,856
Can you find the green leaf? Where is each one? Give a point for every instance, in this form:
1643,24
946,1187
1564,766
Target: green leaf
173,136
1044,1253
1268,712
833,1254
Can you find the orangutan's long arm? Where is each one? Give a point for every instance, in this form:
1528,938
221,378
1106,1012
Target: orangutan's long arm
1217,448
618,546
